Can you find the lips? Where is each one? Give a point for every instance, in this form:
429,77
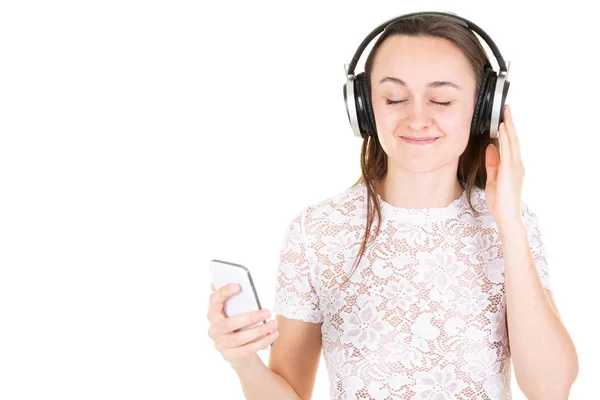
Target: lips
419,141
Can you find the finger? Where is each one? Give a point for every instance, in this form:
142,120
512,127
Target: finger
506,136
491,164
236,322
264,342
217,301
504,146
237,339
212,286
250,348
512,134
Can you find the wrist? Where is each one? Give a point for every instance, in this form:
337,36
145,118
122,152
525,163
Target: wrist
511,227
249,363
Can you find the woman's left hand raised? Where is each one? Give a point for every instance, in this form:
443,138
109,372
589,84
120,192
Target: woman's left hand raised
504,174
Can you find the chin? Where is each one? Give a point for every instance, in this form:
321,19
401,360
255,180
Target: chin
420,167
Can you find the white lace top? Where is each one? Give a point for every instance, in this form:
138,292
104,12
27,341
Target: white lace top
423,316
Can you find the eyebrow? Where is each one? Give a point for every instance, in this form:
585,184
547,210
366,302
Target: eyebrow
435,84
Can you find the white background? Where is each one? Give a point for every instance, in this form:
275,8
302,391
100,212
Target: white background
139,140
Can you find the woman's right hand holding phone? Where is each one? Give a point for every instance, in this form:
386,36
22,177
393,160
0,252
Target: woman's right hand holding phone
234,346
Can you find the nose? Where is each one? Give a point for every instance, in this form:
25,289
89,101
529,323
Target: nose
418,117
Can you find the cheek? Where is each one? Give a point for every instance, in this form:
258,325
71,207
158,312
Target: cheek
456,131
384,117
455,123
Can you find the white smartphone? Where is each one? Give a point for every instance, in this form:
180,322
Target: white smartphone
246,300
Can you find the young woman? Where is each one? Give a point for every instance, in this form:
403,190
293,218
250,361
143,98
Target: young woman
428,275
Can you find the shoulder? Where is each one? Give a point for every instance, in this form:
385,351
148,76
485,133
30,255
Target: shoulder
337,209
337,206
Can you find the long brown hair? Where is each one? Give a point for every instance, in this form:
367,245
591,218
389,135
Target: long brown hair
471,164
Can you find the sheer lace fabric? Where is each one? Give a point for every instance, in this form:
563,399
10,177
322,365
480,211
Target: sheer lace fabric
423,316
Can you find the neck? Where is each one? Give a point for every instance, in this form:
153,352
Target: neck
406,189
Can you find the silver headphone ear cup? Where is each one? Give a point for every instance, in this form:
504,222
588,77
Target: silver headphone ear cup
350,100
500,93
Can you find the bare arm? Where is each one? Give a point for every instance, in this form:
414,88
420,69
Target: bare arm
296,354
259,382
293,364
544,357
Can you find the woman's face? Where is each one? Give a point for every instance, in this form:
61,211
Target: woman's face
413,70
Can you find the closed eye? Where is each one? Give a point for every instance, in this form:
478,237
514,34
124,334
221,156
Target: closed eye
444,104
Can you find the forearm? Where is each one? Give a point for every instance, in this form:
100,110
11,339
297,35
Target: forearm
259,382
544,356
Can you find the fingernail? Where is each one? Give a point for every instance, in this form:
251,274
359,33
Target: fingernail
265,314
234,288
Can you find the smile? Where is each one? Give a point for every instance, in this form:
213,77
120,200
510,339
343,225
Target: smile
419,142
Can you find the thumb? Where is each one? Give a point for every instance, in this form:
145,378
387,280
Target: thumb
491,163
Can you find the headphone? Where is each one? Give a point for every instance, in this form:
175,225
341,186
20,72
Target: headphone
490,100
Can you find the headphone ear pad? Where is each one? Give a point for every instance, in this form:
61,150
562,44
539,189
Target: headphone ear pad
364,110
369,108
481,115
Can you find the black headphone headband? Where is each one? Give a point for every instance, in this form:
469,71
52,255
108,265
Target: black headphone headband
459,20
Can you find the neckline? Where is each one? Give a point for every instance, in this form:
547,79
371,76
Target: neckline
392,212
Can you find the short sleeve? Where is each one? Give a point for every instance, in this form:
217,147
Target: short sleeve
295,294
536,244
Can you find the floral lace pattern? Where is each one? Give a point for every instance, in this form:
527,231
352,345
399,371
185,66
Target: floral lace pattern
423,315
